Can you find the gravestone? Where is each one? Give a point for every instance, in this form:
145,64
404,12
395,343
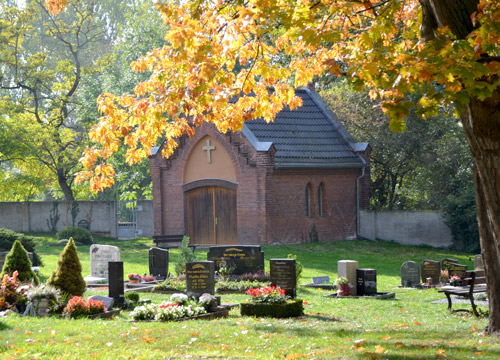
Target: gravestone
446,262
108,301
347,269
85,224
457,269
366,282
410,274
115,281
432,269
478,262
200,278
100,255
320,280
158,263
4,254
246,258
283,275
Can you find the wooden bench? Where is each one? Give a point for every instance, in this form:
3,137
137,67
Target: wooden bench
474,283
169,241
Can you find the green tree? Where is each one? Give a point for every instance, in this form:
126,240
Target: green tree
68,275
18,259
43,62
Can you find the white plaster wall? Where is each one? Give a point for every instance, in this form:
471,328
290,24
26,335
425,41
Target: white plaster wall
424,227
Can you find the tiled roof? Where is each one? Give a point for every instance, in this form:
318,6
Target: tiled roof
309,137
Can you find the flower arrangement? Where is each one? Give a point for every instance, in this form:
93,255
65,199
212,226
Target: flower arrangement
272,295
44,292
207,300
444,275
178,307
455,280
77,306
134,277
179,298
226,269
147,278
9,295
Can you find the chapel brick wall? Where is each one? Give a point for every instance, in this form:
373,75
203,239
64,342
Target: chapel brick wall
286,205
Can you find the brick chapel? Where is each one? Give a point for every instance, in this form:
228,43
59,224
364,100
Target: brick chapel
268,184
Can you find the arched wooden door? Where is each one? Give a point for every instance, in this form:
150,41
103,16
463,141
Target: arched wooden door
212,215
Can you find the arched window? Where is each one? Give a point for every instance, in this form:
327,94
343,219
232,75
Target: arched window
308,200
320,199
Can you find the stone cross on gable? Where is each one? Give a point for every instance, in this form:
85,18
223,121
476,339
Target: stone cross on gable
208,148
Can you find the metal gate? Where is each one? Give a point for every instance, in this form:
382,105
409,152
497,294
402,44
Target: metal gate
127,219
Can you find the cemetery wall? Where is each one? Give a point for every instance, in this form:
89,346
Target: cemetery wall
35,216
424,227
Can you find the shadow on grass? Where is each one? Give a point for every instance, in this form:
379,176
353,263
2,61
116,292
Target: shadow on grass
4,326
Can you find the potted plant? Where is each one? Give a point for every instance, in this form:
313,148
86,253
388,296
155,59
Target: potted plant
43,297
444,276
134,278
343,288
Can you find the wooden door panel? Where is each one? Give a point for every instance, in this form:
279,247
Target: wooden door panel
225,212
201,216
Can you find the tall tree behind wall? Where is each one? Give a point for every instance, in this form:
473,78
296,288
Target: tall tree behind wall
427,167
44,60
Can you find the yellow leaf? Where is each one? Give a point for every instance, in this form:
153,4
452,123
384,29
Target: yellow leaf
387,337
441,352
417,323
379,349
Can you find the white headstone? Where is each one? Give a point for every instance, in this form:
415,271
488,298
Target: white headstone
347,268
100,255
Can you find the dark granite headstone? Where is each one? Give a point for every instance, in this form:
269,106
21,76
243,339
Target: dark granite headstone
4,254
366,281
457,269
200,278
115,280
410,274
432,269
108,301
478,262
158,263
85,224
283,275
247,258
320,280
446,262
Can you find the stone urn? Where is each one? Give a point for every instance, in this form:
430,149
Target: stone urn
42,306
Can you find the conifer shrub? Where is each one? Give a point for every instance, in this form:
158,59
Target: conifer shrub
18,259
7,238
79,235
186,256
68,275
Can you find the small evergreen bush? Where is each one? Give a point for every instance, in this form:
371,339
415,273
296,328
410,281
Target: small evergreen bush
68,275
132,296
186,256
79,235
18,259
7,238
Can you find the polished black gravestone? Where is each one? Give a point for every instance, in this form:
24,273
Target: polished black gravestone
158,263
447,262
410,274
430,269
457,270
284,276
115,280
366,282
200,278
246,258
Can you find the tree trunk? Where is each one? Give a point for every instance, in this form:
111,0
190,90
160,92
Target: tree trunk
482,127
63,184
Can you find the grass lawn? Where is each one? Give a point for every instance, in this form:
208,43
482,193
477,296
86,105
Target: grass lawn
407,327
